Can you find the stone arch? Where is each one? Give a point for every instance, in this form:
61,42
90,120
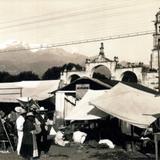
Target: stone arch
73,77
129,76
105,71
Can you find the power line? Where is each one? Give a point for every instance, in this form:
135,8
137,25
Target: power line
135,34
64,12
88,19
64,16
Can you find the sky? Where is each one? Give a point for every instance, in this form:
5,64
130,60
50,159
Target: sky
60,21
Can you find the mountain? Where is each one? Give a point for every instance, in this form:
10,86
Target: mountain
17,57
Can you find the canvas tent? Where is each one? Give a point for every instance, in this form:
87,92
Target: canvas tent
38,90
77,90
129,104
94,84
84,111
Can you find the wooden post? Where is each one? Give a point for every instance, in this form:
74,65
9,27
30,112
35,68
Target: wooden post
156,139
132,137
8,138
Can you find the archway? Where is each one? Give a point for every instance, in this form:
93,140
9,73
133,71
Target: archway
129,76
73,77
101,72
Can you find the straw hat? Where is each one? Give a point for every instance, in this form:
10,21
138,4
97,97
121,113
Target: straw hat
24,99
42,109
20,110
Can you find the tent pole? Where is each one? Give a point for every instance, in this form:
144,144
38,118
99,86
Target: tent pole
7,136
132,137
156,140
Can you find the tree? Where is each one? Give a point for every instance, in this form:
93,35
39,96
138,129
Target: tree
27,75
5,77
70,66
52,73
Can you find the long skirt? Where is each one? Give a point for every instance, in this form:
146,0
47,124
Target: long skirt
19,144
29,146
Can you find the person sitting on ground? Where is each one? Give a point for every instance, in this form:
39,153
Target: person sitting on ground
147,139
59,137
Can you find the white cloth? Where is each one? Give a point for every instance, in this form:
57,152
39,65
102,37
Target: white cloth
35,148
19,124
108,142
79,137
52,132
49,122
38,126
59,139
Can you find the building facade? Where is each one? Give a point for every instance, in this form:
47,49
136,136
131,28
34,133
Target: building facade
114,71
131,73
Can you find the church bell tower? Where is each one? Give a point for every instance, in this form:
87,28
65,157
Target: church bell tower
156,38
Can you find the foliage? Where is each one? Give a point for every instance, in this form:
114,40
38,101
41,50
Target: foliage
55,72
27,75
71,66
52,73
4,77
7,77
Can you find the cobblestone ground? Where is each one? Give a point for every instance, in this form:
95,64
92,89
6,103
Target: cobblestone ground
83,153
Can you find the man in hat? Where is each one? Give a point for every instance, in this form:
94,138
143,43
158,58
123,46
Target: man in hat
42,141
19,125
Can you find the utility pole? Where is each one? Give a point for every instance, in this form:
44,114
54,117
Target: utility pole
158,65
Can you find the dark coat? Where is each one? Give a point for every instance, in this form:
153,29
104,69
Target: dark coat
27,141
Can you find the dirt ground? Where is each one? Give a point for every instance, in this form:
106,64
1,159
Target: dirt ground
83,152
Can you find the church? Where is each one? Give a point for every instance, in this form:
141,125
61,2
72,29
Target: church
112,70
136,73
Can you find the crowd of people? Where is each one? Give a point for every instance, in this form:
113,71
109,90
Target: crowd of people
27,131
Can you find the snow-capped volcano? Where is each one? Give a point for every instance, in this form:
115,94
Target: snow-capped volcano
18,56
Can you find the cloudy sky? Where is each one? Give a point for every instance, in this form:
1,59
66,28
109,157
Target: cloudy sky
61,21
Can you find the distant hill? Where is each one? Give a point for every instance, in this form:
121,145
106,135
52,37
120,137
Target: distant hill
38,61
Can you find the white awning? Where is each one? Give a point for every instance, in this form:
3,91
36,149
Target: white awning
129,104
37,90
84,111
